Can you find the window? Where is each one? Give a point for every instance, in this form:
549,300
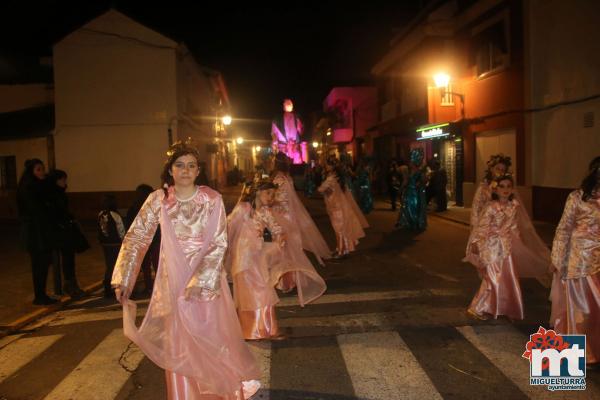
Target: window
448,98
414,95
490,50
8,172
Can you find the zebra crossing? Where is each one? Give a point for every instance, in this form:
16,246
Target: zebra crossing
81,353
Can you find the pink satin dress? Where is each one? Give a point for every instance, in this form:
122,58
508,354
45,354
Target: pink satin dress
346,223
494,236
251,260
530,254
195,338
576,284
259,267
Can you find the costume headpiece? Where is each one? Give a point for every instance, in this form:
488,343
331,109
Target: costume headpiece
416,156
499,159
264,184
188,146
504,177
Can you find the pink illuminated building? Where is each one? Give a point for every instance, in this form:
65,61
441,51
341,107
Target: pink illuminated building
351,111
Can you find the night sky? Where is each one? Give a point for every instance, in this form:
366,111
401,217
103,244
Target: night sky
265,52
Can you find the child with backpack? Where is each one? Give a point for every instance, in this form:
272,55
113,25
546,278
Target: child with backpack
111,232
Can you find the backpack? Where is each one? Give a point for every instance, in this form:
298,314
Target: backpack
107,229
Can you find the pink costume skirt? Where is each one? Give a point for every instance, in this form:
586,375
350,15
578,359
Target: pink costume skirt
576,310
500,292
255,300
259,324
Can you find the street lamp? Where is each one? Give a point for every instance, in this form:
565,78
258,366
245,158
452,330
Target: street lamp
258,148
227,120
441,81
239,140
315,144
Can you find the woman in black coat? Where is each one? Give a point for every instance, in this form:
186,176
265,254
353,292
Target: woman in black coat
67,235
36,226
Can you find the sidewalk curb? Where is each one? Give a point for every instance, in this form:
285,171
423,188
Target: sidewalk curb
43,311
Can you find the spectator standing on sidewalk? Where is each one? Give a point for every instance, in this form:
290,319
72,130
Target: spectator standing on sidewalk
111,231
67,234
437,185
365,196
151,258
36,226
394,183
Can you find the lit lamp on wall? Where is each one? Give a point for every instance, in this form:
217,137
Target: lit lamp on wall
239,140
227,120
315,144
442,81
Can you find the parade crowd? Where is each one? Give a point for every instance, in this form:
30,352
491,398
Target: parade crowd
190,253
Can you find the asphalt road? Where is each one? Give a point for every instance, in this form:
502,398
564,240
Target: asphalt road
392,325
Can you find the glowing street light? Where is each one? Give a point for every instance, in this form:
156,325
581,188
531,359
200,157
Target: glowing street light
329,132
239,140
315,144
258,148
441,80
227,120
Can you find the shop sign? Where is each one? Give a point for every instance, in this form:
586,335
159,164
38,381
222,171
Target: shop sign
433,131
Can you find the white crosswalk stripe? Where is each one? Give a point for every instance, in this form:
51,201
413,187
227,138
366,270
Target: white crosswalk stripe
393,371
103,372
18,353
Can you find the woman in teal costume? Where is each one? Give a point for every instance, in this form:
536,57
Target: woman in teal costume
413,215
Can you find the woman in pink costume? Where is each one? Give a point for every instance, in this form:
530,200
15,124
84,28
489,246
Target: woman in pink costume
497,250
190,328
533,253
288,203
576,262
263,253
344,218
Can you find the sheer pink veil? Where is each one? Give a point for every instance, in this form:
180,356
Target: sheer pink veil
311,237
355,209
309,284
235,222
535,253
